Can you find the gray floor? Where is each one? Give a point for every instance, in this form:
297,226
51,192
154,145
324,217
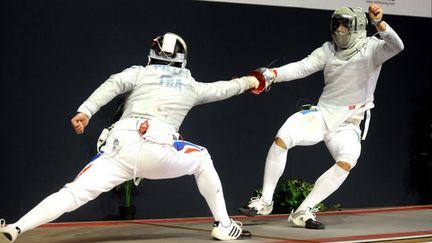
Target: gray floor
401,224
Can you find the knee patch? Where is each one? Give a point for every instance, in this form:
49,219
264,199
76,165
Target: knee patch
279,142
345,165
283,139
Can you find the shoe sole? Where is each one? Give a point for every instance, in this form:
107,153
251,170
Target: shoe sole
5,237
250,212
320,228
243,236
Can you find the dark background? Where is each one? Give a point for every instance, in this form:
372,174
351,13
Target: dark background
55,53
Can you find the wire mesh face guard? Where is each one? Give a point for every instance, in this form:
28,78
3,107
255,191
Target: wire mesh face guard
354,19
169,49
344,20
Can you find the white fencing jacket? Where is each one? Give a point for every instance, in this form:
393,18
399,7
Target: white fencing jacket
349,84
162,92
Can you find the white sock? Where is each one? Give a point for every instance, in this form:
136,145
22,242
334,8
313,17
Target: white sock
46,211
325,185
210,188
274,168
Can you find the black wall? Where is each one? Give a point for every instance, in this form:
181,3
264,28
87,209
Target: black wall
55,53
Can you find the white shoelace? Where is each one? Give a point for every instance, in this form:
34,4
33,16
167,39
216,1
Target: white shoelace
2,223
254,199
259,199
312,211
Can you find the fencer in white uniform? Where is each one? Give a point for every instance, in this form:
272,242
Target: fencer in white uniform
145,142
351,66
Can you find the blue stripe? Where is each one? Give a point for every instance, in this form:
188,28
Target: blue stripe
95,157
307,111
179,145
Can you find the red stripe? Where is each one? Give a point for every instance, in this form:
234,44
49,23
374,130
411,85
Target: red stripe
389,236
123,222
376,236
84,170
376,210
210,219
357,211
351,211
190,150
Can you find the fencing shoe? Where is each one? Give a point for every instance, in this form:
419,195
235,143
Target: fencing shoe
306,219
256,206
8,233
230,232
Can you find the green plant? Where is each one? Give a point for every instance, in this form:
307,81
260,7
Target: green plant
126,192
289,194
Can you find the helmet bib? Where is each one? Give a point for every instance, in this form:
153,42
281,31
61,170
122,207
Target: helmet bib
343,40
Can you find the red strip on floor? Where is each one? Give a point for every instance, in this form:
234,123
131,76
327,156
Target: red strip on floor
210,219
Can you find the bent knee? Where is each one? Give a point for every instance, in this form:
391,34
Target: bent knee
202,165
279,142
344,165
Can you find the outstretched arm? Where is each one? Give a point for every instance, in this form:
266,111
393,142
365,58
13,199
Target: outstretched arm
220,90
314,62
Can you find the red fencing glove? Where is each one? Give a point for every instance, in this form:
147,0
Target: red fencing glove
265,77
